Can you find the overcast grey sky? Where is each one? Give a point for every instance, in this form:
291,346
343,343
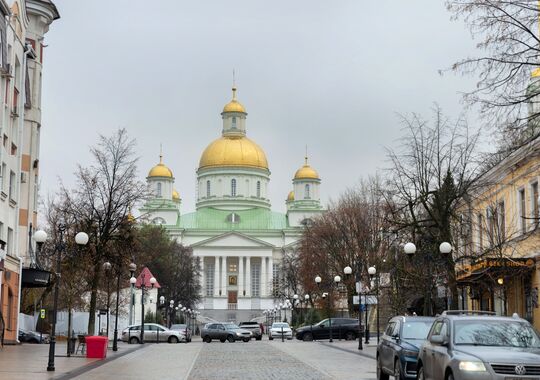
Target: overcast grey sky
329,74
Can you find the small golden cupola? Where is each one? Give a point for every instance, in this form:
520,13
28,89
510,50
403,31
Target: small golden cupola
175,196
234,105
160,170
290,197
306,172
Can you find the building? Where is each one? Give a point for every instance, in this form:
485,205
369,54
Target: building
502,235
22,29
235,234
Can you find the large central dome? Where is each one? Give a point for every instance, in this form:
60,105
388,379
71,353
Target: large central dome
237,151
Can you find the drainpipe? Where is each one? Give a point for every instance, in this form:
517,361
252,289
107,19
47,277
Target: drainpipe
27,50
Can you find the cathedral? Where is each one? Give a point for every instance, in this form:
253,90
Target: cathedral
235,234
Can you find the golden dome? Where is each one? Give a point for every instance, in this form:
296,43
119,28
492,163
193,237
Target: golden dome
535,73
175,195
233,151
160,170
306,172
234,105
290,197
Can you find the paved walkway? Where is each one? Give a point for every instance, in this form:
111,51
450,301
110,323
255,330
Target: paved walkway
29,361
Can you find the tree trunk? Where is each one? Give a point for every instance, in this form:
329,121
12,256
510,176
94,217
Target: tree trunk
93,301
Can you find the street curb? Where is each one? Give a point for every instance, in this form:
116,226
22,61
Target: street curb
96,364
360,353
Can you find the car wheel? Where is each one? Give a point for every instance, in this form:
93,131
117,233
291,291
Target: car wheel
397,370
450,376
172,339
230,339
380,373
246,340
307,337
270,338
259,338
222,340
421,375
350,336
133,340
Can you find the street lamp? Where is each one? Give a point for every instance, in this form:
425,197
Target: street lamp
107,267
132,269
40,237
143,288
445,248
372,271
348,271
337,280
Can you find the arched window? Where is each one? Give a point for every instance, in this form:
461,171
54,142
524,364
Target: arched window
207,189
258,189
233,187
234,122
306,192
159,189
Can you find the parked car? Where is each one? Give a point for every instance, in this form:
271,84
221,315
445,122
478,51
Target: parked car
27,336
224,332
278,329
397,352
152,332
184,329
254,327
475,345
344,328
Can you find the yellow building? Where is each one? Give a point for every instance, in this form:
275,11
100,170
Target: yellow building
499,269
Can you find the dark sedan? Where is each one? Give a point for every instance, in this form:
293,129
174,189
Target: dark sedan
224,332
342,328
397,352
27,336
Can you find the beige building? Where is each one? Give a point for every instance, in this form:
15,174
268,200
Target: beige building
501,238
22,27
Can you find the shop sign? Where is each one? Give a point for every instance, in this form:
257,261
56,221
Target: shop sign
486,264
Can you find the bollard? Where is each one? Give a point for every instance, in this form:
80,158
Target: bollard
282,337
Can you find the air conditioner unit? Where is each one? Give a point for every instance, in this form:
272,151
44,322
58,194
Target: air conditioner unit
24,177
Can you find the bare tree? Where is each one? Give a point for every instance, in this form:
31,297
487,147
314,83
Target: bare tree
104,194
509,45
433,170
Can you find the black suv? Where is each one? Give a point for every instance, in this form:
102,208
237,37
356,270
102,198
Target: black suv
342,328
397,352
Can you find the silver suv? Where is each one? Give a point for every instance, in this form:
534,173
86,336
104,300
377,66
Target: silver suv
467,345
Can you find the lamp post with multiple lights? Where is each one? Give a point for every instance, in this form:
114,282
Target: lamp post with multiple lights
337,280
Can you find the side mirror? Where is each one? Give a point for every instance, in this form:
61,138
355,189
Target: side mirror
438,339
395,337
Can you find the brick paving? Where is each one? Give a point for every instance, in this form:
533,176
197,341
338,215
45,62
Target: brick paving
253,360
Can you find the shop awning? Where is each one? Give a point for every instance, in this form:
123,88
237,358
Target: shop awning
35,278
492,268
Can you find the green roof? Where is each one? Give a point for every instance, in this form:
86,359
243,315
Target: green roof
208,218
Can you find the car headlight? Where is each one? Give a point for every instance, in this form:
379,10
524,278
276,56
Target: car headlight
472,366
410,353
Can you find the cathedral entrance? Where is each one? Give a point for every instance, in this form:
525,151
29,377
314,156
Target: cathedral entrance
233,300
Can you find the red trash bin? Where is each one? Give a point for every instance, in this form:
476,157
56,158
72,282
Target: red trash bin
96,347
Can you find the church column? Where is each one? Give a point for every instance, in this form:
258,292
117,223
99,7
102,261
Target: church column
224,276
263,277
216,277
248,276
240,276
270,277
203,276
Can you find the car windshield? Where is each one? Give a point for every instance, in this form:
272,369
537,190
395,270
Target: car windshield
231,326
496,333
416,330
280,325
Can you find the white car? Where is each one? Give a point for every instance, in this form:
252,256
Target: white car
152,333
280,329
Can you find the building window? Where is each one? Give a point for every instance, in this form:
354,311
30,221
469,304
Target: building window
258,189
12,184
159,189
255,280
10,306
9,248
3,174
490,227
275,279
207,189
480,223
234,122
522,211
209,275
306,192
233,187
534,204
501,222
233,268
